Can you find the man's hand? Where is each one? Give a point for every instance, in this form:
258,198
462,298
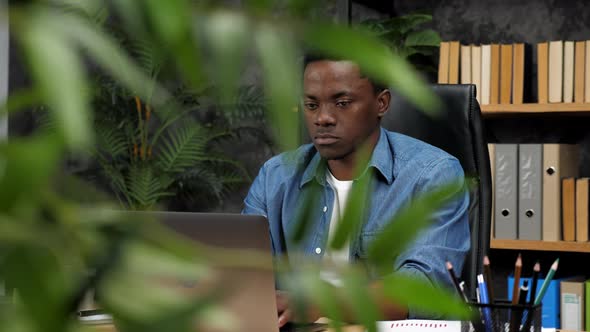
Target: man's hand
286,313
283,308
388,309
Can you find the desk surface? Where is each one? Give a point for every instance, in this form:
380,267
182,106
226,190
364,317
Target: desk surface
111,328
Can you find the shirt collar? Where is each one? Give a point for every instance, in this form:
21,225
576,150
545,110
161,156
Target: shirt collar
382,160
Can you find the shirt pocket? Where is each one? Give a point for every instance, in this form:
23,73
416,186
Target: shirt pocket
365,243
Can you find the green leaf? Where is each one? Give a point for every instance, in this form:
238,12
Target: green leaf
183,148
305,214
17,234
112,140
322,294
178,30
21,100
132,21
26,167
374,58
354,213
116,180
59,73
359,198
365,309
414,292
406,23
95,10
423,38
405,226
149,56
282,81
260,6
144,187
105,51
167,303
171,18
37,274
228,37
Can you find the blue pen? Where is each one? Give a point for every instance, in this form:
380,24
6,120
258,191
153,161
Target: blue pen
483,293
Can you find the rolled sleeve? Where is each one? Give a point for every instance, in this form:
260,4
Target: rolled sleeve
255,201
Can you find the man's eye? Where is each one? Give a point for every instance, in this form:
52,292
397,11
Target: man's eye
311,106
343,103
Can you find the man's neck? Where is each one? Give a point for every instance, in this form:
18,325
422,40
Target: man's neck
347,168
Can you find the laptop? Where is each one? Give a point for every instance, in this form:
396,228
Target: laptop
249,292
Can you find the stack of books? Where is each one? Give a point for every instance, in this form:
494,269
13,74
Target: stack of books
501,71
498,71
563,71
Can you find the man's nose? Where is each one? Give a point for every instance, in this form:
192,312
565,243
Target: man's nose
325,117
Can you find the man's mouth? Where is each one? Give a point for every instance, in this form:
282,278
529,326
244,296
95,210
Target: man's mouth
325,139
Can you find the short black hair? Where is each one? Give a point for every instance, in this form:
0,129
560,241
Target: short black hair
311,57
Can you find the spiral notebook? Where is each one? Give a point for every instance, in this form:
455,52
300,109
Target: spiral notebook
411,325
419,325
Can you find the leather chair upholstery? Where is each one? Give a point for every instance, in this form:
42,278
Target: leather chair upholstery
457,130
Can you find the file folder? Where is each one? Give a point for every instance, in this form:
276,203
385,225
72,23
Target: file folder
530,191
506,208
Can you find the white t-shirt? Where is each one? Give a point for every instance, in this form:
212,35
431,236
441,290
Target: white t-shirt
341,191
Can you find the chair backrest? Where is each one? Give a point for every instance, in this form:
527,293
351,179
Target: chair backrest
457,130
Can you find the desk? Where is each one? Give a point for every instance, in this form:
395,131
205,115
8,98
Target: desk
111,328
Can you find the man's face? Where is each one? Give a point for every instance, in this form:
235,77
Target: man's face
342,110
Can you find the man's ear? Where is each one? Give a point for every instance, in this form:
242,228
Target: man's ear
383,99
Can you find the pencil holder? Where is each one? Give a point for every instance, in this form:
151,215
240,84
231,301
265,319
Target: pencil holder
503,316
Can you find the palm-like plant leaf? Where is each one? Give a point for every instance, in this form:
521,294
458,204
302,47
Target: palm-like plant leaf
183,148
144,186
116,180
111,140
45,122
147,56
248,105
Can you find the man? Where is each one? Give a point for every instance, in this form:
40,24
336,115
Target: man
343,110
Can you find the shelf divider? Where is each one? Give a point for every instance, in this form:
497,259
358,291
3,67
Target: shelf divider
534,108
564,246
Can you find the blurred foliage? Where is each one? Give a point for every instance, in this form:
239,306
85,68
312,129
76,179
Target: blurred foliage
55,244
407,37
172,154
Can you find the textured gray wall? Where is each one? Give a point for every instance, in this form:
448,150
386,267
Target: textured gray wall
489,21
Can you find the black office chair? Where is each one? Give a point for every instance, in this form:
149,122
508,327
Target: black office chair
459,131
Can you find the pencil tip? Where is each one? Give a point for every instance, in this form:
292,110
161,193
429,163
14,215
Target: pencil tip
537,267
449,265
486,260
555,264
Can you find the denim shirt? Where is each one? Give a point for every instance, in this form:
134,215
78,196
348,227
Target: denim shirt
403,168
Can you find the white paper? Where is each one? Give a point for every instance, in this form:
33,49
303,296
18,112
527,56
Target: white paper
419,325
410,325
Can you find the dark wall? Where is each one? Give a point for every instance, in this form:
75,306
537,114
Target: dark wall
487,21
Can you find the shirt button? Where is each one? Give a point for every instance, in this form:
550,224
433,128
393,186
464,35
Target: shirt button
318,250
325,209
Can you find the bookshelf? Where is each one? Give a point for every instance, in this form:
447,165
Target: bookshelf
562,246
497,110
